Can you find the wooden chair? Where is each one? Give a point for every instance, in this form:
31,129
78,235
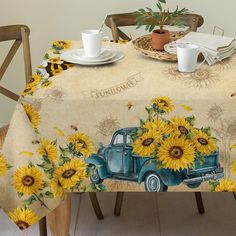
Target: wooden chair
128,19
115,21
20,35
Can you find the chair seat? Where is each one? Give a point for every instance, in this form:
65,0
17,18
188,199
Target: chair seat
3,133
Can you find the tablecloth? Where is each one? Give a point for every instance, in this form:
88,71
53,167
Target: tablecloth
136,125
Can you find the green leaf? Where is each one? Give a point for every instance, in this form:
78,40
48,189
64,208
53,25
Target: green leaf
191,120
48,194
162,1
158,4
20,194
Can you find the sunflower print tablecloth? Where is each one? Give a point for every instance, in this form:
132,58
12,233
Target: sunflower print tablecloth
63,134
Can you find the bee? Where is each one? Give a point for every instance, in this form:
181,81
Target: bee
36,142
129,105
74,127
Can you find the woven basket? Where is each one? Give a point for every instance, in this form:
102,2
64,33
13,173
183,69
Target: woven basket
144,45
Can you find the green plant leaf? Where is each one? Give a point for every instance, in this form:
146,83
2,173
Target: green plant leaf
162,1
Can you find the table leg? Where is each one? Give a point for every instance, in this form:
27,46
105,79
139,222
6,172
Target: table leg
96,206
59,220
43,227
200,206
119,201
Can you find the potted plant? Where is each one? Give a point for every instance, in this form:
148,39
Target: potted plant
147,17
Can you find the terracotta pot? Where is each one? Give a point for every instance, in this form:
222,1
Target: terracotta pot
159,39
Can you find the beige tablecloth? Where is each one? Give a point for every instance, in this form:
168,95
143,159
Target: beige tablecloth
67,111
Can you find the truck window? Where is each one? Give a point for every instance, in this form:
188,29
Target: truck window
119,140
129,140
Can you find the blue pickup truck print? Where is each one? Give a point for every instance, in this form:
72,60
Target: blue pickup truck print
118,161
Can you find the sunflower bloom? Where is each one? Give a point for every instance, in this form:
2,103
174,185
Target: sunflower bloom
176,153
56,60
181,125
3,165
28,180
71,173
32,114
159,126
48,149
83,144
30,89
164,104
56,187
35,80
23,217
146,144
226,186
204,143
233,167
46,84
62,44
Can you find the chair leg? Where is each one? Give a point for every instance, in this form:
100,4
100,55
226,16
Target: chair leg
96,206
43,227
118,205
200,206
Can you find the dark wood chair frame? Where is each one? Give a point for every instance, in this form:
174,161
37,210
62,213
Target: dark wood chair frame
20,35
115,21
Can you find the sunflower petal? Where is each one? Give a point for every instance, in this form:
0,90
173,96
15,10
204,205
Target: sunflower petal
28,154
233,146
59,131
187,108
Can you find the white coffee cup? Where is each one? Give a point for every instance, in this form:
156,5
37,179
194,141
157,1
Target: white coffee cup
92,42
188,57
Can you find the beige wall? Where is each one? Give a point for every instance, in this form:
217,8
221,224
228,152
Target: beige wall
64,19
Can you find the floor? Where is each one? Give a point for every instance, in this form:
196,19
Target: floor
177,216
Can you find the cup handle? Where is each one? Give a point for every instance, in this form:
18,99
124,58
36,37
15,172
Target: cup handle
106,38
204,53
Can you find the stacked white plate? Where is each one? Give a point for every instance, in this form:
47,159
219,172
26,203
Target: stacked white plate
107,56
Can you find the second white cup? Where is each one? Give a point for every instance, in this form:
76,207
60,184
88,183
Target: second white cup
92,42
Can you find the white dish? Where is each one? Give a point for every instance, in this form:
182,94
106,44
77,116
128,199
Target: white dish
105,55
66,56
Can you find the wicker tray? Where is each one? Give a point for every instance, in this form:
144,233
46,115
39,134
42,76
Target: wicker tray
144,45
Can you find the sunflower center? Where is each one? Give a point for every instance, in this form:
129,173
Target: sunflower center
84,145
28,181
22,224
148,142
176,152
68,173
164,103
183,130
202,141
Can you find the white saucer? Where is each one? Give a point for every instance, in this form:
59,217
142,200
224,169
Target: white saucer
106,54
66,56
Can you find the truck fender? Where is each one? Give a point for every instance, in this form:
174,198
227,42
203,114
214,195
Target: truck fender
169,177
99,163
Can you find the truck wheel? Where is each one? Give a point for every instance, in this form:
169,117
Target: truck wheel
95,178
196,185
153,183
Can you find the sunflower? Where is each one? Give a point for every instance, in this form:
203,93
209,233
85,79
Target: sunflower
181,125
176,153
49,149
233,167
32,114
226,186
46,84
35,80
71,173
204,143
163,104
28,180
83,144
56,72
159,126
3,165
56,187
23,217
145,145
30,89
56,60
62,44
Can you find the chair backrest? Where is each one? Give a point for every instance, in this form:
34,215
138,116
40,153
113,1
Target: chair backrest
20,35
193,21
